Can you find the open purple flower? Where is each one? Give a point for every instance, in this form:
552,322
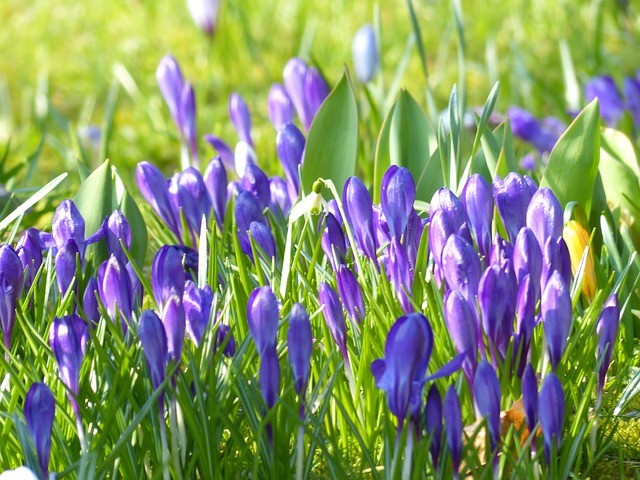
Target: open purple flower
300,343
39,412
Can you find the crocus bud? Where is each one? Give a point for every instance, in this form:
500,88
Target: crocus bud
223,149
30,254
294,82
577,239
188,118
115,290
555,257
188,195
167,274
551,412
400,274
512,196
224,333
39,412
246,210
11,284
90,302
290,145
463,329
154,344
478,203
240,117
197,309
262,316
171,83
397,194
445,199
380,227
631,88
358,208
270,376
280,107
544,216
607,330
350,293
334,317
440,229
215,181
65,265
605,90
204,14
315,91
300,344
333,242
413,236
486,387
501,250
557,315
461,267
174,325
68,224
280,202
530,397
453,424
263,237
525,319
497,299
434,423
527,258
118,229
365,53
154,188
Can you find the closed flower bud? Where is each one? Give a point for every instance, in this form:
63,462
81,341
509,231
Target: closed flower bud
577,239
445,199
294,82
118,229
397,194
551,412
154,344
154,188
300,343
315,91
527,258
463,329
65,264
263,237
478,203
461,267
333,242
364,50
358,208
280,108
350,293
174,325
224,335
68,224
453,425
215,181
512,196
487,394
197,309
39,412
530,397
11,284
262,316
440,229
400,274
280,202
334,317
290,145
90,302
167,274
607,330
434,423
557,315
115,290
189,195
30,254
240,117
270,376
497,299
544,216
204,14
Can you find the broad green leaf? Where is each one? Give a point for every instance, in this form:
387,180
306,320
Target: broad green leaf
332,145
409,137
573,163
618,145
383,158
97,197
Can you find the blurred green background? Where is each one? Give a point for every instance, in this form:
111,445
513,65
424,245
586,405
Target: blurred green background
62,61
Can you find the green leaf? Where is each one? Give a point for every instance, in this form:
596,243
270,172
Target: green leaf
332,144
573,163
383,158
410,134
97,197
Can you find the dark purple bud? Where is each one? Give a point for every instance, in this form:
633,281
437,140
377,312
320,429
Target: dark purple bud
154,344
262,316
224,151
280,202
270,376
527,258
240,117
188,117
280,107
11,273
167,274
434,423
90,301
631,87
380,226
294,75
496,296
224,333
551,412
315,91
400,274
564,260
246,210
154,188
334,317
440,229
478,203
487,392
40,412
257,183
29,252
204,14
114,286
530,397
512,196
197,309
137,291
605,90
525,319
461,267
215,181
544,216
300,343
413,236
463,328
333,242
350,293
290,145
263,237
68,224
189,195
445,199
397,194
358,208
453,424
332,206
65,264
364,51
607,330
501,250
118,229
171,83
557,315
174,325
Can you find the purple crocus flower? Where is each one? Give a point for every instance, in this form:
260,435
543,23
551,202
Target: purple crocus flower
256,182
440,229
631,88
167,274
262,316
154,344
29,252
39,412
530,397
223,149
527,258
300,343
551,412
246,210
204,14
222,334
380,227
461,267
542,136
11,284
434,423
68,339
544,216
464,330
350,292
607,330
525,320
453,424
90,301
240,117
290,145
364,50
332,242
68,224
294,75
497,299
478,203
397,194
413,236
270,376
280,107
215,181
280,202
118,230
173,319
65,265
512,196
334,317
263,237
358,208
487,392
445,199
400,274
315,91
197,309
605,90
154,188
115,290
557,315
501,250
189,197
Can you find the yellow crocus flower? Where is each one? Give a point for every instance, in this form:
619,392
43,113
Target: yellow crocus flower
577,238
